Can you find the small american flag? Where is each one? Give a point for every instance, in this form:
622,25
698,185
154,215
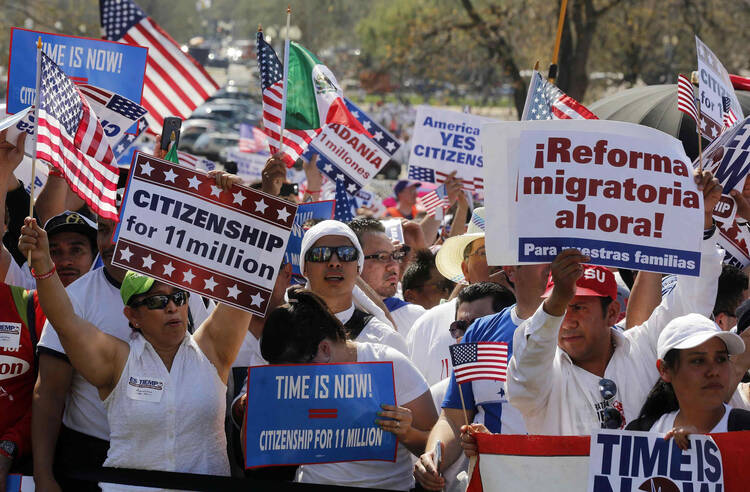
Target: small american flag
686,99
174,84
726,110
194,161
345,204
437,198
272,85
545,101
252,139
428,175
481,360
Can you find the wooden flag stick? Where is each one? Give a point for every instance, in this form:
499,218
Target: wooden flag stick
552,75
694,81
463,405
36,130
286,75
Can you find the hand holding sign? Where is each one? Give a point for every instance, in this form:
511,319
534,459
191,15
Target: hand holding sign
273,175
468,441
566,270
711,189
398,420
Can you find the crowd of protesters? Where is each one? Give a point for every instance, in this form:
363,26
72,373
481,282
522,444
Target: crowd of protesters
588,347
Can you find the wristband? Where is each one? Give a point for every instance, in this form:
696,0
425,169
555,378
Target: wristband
707,233
53,171
313,191
45,275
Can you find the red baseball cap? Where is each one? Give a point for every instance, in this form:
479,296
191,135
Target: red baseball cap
596,281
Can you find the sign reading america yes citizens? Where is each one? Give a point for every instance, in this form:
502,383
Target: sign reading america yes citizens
622,193
318,413
178,226
115,66
445,141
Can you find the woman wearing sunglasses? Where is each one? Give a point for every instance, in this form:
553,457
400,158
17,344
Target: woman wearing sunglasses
697,377
305,331
164,391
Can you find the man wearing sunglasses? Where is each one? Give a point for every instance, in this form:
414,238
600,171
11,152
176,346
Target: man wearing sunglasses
381,270
331,258
570,367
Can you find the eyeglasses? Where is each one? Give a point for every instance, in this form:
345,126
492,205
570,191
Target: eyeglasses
321,254
480,252
398,256
612,416
160,301
459,327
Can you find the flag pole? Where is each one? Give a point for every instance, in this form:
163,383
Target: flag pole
286,76
528,92
36,129
694,80
463,405
552,75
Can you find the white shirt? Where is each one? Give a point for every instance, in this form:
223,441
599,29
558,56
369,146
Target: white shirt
375,331
429,339
168,420
406,316
375,474
666,422
96,299
556,397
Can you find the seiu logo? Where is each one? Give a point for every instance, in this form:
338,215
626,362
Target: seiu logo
592,274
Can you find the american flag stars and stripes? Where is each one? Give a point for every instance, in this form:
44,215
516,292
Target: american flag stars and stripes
727,114
70,138
194,161
686,99
546,102
252,139
437,198
272,86
174,84
345,204
428,175
380,135
480,360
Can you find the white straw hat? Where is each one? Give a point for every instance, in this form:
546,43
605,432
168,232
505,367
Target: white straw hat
451,254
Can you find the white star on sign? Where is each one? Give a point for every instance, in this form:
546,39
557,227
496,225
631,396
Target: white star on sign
194,182
261,206
215,191
367,125
125,254
238,198
148,262
256,300
146,169
352,188
188,276
170,175
210,283
378,136
168,269
283,214
339,177
233,292
328,168
355,114
390,147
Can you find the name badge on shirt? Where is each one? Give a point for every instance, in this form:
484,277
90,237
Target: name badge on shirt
10,335
145,389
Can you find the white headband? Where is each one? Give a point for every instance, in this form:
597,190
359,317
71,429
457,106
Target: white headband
329,228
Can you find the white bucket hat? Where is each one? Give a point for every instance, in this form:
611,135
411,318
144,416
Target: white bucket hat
691,330
329,228
451,254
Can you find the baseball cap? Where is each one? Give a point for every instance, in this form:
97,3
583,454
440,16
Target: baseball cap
404,183
743,316
134,284
72,222
596,281
692,330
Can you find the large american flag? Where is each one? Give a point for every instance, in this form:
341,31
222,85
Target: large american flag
175,84
272,85
480,360
726,110
70,137
437,198
686,99
546,102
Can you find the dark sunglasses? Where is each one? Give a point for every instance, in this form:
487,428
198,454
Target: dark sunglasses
398,256
321,254
160,301
612,417
459,327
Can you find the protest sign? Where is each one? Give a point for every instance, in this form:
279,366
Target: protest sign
713,84
178,226
351,157
318,413
115,66
445,141
622,193
249,165
23,174
19,483
728,159
307,214
610,461
393,229
734,238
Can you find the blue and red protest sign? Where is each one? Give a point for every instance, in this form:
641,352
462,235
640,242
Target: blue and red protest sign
318,413
307,215
106,64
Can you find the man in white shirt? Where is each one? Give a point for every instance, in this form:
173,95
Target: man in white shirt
330,259
381,270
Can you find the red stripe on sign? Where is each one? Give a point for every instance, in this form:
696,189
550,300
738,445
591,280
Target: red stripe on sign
522,445
322,413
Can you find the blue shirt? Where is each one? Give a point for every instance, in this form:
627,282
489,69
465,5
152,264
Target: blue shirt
487,397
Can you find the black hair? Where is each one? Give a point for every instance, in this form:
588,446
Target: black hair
363,224
292,331
732,282
501,297
662,398
605,302
419,271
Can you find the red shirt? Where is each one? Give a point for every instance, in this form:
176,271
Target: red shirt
17,364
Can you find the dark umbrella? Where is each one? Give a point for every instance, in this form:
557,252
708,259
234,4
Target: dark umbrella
656,106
